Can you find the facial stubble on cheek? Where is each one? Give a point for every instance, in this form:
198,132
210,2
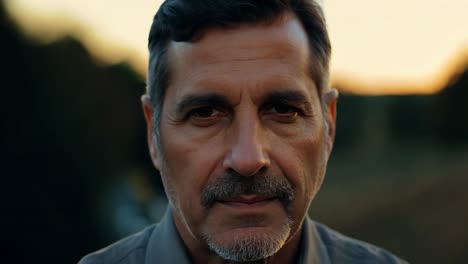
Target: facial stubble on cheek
167,182
322,162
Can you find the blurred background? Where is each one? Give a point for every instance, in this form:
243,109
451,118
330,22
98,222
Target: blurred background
76,171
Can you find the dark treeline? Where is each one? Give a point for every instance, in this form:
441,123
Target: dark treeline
69,127
72,128
440,119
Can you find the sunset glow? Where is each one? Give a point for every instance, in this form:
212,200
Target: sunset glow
382,47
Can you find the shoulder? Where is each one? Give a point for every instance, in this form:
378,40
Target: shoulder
131,249
343,249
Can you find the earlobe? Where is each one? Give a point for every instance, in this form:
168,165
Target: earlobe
148,111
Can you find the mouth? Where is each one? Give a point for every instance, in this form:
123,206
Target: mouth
247,200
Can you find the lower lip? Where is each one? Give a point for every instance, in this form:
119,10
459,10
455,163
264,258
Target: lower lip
249,206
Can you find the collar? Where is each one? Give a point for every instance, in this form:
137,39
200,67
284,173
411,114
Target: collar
312,249
166,246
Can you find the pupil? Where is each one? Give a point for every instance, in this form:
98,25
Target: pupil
205,111
282,109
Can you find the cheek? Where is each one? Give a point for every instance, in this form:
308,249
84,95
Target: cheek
300,160
314,164
188,164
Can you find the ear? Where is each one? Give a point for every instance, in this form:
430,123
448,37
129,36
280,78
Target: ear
148,111
330,98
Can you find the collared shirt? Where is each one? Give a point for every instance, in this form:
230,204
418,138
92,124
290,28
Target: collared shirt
161,244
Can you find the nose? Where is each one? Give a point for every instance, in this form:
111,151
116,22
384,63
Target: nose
248,154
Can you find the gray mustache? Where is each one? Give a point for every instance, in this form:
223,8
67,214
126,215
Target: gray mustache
233,184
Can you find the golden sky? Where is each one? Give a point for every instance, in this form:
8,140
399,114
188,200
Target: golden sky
383,46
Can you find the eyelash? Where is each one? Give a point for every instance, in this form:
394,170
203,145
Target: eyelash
298,110
194,111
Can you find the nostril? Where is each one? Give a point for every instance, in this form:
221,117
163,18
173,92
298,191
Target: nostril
235,173
248,161
262,170
248,168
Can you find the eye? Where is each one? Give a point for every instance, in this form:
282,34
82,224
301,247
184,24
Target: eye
203,112
205,116
283,113
283,109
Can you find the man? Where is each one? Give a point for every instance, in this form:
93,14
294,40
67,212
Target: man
241,123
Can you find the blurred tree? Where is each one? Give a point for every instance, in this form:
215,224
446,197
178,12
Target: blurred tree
451,111
71,126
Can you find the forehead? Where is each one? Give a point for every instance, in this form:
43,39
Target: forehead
259,52
286,31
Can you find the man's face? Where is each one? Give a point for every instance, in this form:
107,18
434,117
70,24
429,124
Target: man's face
243,139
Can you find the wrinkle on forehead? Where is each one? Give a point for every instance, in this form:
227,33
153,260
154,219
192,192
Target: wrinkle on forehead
252,41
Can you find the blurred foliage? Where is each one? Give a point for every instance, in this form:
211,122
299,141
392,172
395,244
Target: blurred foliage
70,127
78,175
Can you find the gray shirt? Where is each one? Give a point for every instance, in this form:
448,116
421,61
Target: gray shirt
161,244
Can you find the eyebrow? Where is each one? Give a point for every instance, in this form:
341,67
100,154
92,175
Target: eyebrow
289,97
191,101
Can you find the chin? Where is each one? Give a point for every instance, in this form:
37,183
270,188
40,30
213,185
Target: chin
249,244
